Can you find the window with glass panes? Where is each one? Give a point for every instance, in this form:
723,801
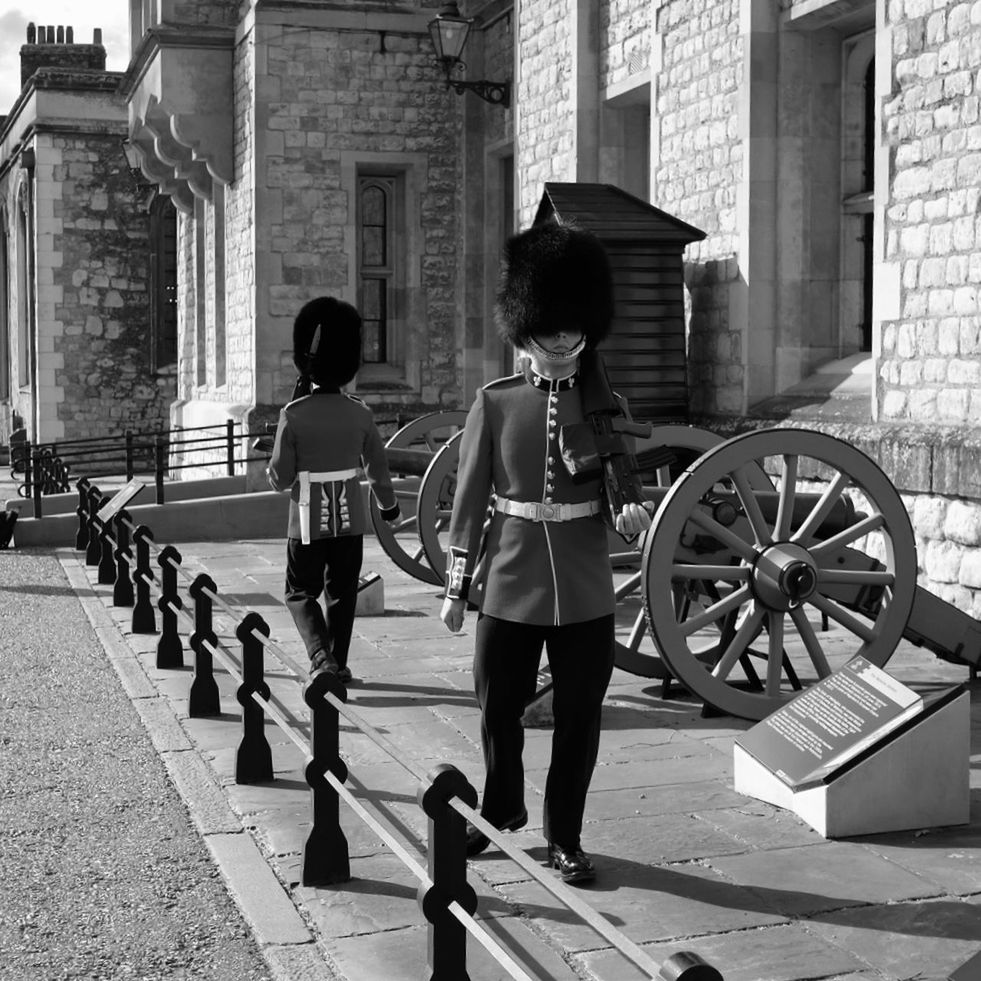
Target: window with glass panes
376,263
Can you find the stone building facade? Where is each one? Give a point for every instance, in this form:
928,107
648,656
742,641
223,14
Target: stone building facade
827,148
75,254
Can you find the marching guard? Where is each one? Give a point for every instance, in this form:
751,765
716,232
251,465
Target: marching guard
544,565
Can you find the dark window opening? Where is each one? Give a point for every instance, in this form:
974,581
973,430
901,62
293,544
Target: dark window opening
376,270
163,283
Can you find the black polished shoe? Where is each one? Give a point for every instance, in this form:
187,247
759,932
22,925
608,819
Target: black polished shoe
574,864
344,675
477,841
322,662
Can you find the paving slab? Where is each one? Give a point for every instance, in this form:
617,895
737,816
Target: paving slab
802,881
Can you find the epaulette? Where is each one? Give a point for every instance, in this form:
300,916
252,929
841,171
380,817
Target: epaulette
354,398
518,376
302,398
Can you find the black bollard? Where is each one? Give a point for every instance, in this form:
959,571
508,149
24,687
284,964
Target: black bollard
253,761
203,699
447,872
93,551
122,588
170,651
82,511
106,575
144,621
325,854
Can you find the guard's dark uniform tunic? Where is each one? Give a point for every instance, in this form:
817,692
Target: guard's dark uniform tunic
538,571
321,442
546,580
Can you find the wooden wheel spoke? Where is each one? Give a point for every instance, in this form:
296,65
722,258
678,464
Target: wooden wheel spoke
855,577
664,476
730,539
715,612
751,506
811,643
405,523
822,509
788,496
637,631
851,534
627,586
840,615
774,657
737,646
711,573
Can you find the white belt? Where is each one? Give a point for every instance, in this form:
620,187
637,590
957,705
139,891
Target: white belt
534,511
306,477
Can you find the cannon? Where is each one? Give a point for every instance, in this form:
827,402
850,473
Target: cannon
758,544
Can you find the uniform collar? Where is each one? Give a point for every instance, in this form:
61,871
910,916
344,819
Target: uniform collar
550,384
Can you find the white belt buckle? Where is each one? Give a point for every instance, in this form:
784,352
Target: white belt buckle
551,512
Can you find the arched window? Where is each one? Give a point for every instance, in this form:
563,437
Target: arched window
25,295
376,271
4,308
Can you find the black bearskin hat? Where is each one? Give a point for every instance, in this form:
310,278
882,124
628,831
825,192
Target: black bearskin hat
554,276
327,341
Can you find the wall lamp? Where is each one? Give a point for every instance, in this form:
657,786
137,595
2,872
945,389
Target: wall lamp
132,156
449,31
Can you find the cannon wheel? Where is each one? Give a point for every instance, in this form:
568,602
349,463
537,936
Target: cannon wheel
769,575
401,540
638,654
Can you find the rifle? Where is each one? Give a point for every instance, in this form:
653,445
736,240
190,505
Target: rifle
597,448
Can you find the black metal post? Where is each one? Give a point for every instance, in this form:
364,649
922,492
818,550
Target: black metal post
203,699
325,853
130,469
38,486
230,445
447,871
82,535
170,651
159,461
144,621
253,761
26,456
122,588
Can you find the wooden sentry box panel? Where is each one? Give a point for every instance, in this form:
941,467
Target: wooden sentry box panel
645,353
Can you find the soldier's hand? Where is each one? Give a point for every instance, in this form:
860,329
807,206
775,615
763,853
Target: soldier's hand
632,520
452,613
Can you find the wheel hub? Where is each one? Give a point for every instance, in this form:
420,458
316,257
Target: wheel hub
784,576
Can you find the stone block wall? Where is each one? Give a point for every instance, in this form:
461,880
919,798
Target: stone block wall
546,92
626,27
94,316
697,172
930,366
330,102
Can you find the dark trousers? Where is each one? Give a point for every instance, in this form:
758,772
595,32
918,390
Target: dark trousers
330,565
506,660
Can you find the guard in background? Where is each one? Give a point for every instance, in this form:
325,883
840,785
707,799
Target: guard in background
545,566
322,440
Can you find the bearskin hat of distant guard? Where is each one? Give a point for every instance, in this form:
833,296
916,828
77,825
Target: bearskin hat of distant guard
327,341
554,276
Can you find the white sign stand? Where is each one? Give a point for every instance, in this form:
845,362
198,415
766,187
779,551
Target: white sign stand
916,776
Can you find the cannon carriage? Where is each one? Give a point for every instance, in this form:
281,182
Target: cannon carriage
758,545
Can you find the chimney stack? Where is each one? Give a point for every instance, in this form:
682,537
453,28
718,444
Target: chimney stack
48,47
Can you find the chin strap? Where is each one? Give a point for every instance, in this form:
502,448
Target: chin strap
535,348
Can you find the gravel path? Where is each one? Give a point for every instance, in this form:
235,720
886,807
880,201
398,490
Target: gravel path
102,874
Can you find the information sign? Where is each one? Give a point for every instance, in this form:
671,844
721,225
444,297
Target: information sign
830,723
119,500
